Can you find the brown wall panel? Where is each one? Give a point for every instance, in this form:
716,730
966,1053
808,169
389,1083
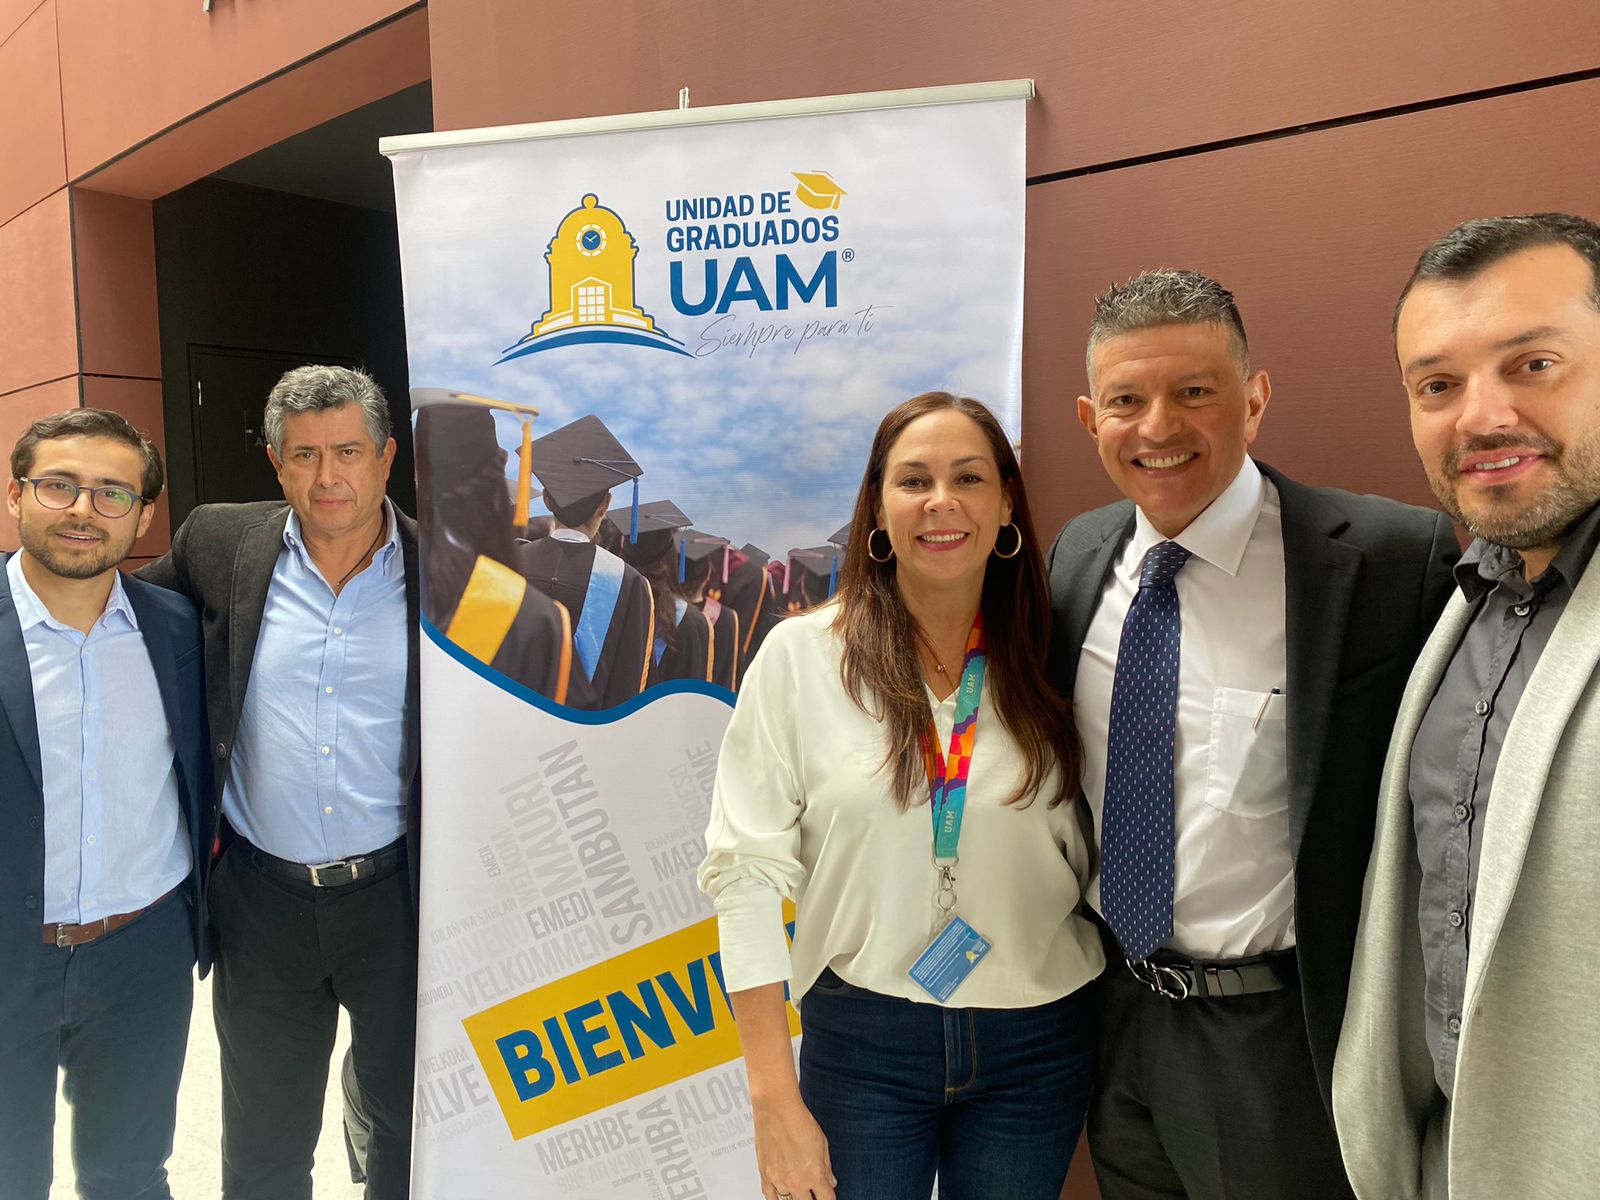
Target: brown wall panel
375,65
1115,80
14,12
17,412
171,60
32,157
139,400
116,269
36,302
1315,235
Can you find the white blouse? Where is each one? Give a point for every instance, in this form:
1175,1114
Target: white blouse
802,810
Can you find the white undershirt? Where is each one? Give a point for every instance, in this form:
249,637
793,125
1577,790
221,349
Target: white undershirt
801,810
1233,889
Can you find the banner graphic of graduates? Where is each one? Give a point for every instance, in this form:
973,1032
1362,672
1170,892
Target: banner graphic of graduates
646,367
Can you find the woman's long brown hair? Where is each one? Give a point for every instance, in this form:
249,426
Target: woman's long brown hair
879,667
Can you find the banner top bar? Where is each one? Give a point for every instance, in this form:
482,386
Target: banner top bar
765,110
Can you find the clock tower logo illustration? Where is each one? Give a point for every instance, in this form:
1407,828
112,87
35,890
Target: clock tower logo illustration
591,261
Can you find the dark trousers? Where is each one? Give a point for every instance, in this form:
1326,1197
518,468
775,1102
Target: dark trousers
113,1014
288,956
990,1099
1208,1099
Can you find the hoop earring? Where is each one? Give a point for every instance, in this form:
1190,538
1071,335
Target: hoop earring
1015,550
887,557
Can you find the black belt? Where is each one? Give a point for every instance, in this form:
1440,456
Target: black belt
1179,978
339,872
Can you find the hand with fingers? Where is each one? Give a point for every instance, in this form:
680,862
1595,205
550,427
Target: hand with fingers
792,1152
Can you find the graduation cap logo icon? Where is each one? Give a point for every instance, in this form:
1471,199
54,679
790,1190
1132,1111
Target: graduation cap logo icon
591,260
818,189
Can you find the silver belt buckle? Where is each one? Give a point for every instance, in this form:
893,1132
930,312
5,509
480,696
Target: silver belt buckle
1168,982
317,868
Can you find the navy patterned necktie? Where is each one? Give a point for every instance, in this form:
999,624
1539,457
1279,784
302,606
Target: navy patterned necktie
1136,833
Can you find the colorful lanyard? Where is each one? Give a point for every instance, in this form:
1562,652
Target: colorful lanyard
947,774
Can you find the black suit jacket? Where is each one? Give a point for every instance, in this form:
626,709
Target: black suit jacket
222,558
171,633
1365,578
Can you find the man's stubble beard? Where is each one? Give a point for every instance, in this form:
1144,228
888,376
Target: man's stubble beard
1564,501
36,541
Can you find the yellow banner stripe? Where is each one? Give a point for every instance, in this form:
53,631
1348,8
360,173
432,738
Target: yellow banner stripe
646,1018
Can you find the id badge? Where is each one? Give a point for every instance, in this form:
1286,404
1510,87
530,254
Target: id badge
954,953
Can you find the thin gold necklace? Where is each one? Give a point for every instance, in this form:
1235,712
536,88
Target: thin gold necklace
934,654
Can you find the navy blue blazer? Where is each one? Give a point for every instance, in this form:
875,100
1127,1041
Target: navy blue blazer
171,630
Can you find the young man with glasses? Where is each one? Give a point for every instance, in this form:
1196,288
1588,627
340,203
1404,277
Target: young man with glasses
105,809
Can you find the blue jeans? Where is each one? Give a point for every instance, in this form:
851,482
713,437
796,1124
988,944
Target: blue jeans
113,1014
990,1099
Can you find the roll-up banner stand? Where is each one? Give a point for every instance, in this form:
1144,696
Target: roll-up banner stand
648,354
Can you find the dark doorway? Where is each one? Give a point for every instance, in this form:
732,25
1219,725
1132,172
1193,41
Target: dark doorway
287,257
230,444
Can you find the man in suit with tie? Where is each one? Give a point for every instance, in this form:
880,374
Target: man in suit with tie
105,790
310,618
1468,1061
1235,644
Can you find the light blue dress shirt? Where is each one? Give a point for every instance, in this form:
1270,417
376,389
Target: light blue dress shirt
115,837
315,773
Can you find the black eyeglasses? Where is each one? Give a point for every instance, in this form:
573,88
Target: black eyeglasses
52,491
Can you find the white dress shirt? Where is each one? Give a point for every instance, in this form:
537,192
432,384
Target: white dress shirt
1233,881
801,810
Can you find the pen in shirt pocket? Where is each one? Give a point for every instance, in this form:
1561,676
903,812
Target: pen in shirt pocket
1262,711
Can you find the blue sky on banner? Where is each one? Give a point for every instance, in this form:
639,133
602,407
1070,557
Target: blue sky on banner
759,440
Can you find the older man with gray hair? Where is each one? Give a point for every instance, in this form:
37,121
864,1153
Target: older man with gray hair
1235,644
313,711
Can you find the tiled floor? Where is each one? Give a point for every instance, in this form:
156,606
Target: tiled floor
195,1167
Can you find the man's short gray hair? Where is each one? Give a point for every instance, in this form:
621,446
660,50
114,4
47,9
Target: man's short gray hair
318,388
1166,296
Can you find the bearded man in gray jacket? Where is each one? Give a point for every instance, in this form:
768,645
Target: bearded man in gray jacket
1467,1064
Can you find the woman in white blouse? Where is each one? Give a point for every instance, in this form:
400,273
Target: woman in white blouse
919,859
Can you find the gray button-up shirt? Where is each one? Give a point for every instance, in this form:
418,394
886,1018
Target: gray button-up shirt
1457,748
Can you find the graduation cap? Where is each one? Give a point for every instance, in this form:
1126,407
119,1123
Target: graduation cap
820,562
658,523
583,461
755,554
840,537
422,398
817,189
699,546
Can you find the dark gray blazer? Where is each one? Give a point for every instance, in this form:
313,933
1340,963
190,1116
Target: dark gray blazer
1365,579
222,558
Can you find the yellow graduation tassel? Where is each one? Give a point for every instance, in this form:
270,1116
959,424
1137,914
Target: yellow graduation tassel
524,474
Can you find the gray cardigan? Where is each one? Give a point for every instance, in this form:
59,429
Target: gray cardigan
1526,1114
